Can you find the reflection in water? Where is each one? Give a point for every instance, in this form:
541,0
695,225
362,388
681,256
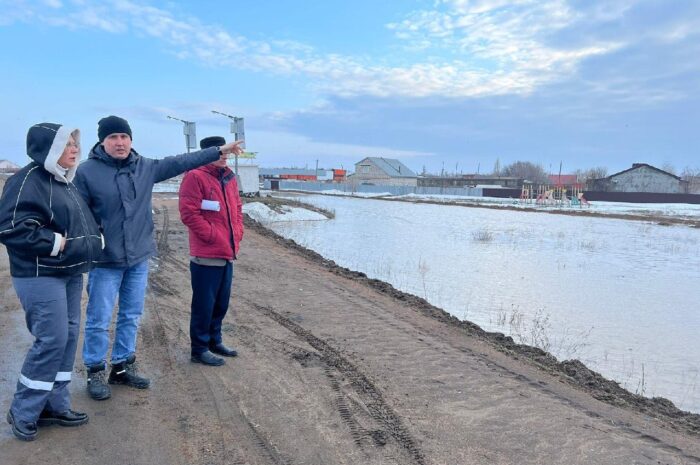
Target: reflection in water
622,296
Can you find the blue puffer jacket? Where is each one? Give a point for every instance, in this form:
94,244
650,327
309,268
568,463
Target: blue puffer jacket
40,206
119,194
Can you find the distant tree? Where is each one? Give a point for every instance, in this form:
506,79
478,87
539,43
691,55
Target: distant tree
591,173
669,168
526,170
497,167
692,175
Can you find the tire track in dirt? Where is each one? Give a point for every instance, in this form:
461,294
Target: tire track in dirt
447,347
390,422
348,409
237,426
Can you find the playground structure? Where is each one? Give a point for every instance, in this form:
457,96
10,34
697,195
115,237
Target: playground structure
555,196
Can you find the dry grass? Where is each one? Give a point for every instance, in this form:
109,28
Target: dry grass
482,235
278,203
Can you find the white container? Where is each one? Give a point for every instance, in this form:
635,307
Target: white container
249,180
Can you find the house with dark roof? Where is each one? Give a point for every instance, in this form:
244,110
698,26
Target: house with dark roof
382,171
641,178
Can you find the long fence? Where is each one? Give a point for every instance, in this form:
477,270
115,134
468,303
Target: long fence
370,189
626,197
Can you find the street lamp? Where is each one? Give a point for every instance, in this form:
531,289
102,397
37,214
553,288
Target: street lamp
237,130
190,131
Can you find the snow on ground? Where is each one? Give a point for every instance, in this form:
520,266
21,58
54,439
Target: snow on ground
678,210
262,213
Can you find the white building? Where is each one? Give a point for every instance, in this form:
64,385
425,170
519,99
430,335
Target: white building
642,178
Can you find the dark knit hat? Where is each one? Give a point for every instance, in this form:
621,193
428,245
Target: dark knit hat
112,125
213,141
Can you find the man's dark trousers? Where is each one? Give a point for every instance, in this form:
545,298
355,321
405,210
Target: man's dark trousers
211,290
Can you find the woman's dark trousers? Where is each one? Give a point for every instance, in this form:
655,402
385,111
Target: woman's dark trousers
52,314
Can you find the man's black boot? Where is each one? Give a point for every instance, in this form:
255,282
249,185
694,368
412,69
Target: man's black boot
221,349
67,418
207,358
126,373
96,385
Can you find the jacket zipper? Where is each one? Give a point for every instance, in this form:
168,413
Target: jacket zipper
83,221
228,217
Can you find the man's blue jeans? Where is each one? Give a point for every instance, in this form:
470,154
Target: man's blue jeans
103,286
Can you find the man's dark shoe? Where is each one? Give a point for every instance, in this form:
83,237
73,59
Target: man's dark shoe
126,373
221,349
207,358
67,418
96,386
23,430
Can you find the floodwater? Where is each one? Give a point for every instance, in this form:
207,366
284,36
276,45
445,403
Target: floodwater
621,296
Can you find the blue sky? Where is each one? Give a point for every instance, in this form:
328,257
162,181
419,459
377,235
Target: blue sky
436,83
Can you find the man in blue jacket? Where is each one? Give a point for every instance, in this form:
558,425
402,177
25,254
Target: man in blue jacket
117,184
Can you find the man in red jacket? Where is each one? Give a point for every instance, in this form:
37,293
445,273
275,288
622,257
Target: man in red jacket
211,209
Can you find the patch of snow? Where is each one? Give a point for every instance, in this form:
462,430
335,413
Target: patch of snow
264,214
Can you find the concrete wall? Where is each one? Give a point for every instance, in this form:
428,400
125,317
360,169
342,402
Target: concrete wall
645,179
439,181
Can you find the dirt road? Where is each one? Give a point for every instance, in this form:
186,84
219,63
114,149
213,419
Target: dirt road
331,371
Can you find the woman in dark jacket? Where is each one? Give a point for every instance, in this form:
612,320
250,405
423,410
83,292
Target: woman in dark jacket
51,239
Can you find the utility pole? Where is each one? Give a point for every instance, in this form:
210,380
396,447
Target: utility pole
237,130
559,181
190,131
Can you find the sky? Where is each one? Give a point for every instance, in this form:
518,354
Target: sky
453,85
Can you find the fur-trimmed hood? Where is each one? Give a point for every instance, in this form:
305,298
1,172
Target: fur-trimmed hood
45,145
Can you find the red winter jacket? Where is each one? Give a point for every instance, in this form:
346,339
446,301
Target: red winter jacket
213,234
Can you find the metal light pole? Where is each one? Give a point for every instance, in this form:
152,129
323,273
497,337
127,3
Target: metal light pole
190,131
237,130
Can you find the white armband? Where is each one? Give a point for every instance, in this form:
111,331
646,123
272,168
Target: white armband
56,244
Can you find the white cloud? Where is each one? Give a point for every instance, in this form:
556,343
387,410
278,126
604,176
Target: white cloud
508,39
483,47
291,146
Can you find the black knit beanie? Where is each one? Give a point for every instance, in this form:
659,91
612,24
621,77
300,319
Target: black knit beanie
112,125
213,141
